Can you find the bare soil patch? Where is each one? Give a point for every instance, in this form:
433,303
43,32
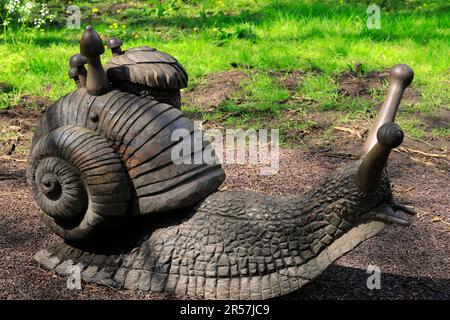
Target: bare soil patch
213,90
16,128
121,6
351,83
289,79
35,103
438,119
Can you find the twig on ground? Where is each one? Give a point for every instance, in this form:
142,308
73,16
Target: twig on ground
425,154
427,163
439,219
338,155
358,133
9,158
405,190
428,144
111,287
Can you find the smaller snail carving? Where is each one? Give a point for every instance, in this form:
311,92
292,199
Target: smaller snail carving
101,171
145,71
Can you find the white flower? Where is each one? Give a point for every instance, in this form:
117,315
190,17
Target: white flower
12,5
44,10
28,7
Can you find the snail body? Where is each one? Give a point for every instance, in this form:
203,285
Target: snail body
101,170
238,244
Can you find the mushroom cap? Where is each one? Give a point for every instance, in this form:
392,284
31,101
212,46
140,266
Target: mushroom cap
149,67
73,73
114,42
77,60
91,45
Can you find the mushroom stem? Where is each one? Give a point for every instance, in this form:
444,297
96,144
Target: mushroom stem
400,77
117,51
97,82
370,171
91,46
82,76
73,74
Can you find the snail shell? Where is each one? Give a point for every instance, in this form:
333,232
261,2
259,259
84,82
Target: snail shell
147,71
96,158
149,67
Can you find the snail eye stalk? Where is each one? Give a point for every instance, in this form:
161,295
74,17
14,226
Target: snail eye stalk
370,171
400,77
384,135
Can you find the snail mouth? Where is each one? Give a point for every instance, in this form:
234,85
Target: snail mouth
388,214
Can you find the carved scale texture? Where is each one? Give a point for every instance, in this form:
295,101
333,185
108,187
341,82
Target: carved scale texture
240,244
139,130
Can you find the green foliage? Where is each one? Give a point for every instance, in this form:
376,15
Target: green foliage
207,36
412,127
24,16
441,132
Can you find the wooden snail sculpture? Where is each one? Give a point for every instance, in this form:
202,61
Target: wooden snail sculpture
101,171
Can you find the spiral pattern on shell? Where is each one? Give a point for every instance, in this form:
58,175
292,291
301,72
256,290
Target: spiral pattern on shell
97,158
77,179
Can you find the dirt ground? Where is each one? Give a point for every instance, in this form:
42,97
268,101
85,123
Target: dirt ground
414,260
213,90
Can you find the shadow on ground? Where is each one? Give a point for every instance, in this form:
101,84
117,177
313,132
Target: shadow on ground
339,282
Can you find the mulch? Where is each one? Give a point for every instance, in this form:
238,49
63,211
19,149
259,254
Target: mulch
414,260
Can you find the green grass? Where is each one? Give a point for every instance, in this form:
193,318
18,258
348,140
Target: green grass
413,126
441,132
260,92
261,35
8,135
